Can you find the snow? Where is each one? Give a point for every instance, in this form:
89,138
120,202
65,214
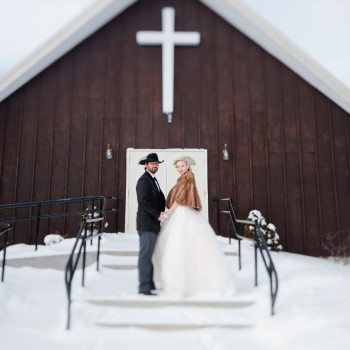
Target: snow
25,25
311,310
53,239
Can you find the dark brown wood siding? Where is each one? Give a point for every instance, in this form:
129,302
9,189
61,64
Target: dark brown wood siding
289,144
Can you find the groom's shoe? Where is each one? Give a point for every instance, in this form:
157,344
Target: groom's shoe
148,293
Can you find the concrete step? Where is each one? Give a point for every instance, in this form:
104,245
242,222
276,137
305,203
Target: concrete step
171,327
121,253
148,313
136,253
120,266
59,261
158,302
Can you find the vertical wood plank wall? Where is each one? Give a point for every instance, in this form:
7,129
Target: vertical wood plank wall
289,145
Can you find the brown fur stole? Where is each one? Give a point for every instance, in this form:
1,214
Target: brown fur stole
185,192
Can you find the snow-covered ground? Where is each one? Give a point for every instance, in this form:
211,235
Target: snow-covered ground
312,308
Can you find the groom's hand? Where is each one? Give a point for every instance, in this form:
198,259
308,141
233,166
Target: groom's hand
161,216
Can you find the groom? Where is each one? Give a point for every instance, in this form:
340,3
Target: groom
151,206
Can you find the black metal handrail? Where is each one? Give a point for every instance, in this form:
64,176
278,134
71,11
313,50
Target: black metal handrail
269,265
92,199
232,224
73,261
5,228
118,199
38,205
259,244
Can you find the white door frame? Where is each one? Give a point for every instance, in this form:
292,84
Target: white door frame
153,150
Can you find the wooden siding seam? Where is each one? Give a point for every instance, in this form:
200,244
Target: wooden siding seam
331,141
85,125
320,218
49,182
251,173
19,144
139,108
119,111
347,116
217,149
3,147
301,170
34,154
52,139
68,141
102,153
284,158
267,159
233,125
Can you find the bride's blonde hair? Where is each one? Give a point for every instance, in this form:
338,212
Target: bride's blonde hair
183,159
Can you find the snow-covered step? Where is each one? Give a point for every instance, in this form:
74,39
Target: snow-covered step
127,260
166,314
57,262
120,266
155,302
136,253
172,327
121,252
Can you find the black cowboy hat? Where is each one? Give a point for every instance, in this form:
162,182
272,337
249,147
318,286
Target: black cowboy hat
152,157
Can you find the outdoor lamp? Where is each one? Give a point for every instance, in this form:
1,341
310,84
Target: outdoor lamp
109,152
225,155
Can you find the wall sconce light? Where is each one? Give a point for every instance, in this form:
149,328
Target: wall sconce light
225,154
109,152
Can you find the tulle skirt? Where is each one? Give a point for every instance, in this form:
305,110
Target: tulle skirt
187,259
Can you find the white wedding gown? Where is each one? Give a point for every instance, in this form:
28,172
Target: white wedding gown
187,259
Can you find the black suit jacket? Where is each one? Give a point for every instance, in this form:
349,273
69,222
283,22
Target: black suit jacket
151,203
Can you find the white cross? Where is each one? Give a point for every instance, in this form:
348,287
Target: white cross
168,38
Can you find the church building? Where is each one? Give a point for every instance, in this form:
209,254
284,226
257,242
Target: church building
169,75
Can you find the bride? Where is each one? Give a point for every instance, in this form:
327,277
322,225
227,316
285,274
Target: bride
187,259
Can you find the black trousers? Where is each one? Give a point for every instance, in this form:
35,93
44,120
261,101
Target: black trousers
145,266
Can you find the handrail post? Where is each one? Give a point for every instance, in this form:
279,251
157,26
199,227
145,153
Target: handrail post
117,216
69,287
4,257
271,294
92,216
37,226
218,216
256,253
98,254
239,249
256,263
229,229
84,253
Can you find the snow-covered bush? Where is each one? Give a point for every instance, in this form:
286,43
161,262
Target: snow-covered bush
95,225
337,245
53,239
269,230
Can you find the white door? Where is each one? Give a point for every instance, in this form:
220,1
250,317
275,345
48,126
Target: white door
166,176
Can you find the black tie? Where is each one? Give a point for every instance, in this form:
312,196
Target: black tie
157,184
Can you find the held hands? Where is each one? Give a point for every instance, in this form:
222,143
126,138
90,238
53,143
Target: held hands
162,216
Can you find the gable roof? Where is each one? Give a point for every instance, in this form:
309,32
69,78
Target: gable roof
233,11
